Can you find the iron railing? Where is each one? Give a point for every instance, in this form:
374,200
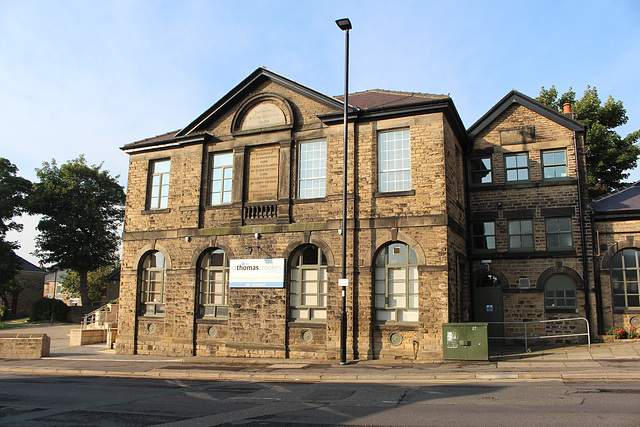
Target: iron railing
526,337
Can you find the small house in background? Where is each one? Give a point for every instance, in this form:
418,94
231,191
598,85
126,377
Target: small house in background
30,278
53,288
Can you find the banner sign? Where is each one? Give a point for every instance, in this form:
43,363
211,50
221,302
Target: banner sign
256,273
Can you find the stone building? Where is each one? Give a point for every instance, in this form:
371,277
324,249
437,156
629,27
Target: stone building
530,223
31,280
255,183
232,243
617,235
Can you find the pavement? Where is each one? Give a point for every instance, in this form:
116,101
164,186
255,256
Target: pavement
618,360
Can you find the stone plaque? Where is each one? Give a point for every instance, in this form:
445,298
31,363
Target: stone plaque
263,115
263,175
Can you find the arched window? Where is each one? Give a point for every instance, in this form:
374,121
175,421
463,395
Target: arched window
308,285
152,278
396,284
213,284
625,270
488,281
560,292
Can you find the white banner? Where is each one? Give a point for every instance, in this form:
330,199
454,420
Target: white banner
256,273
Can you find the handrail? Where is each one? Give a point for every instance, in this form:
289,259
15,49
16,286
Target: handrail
109,318
526,338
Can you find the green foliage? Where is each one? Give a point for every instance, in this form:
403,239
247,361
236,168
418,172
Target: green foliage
41,310
608,154
3,310
617,331
82,207
96,282
13,191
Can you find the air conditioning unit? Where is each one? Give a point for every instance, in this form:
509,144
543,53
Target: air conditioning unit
524,283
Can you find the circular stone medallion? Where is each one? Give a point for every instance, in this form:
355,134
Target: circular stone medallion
395,339
635,321
212,331
307,336
151,328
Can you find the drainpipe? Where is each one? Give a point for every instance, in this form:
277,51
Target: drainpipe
585,267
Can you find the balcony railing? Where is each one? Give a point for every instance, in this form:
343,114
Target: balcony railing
260,211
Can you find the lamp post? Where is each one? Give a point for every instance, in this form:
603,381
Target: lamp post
345,25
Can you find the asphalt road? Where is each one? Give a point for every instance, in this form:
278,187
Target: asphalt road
92,401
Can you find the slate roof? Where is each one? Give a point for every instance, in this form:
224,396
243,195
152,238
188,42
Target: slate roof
376,98
625,202
27,266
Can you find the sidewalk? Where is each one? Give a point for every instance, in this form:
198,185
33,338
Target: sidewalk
618,360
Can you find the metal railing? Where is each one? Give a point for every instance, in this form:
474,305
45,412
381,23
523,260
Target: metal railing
526,338
101,318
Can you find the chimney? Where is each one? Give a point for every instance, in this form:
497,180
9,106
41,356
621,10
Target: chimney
566,109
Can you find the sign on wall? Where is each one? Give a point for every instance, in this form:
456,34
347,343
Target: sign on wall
256,273
263,174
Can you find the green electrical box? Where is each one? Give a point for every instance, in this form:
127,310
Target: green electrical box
465,341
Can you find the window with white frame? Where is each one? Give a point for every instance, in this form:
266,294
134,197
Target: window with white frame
560,292
213,278
312,169
517,167
559,235
625,275
520,234
394,159
484,235
152,276
396,284
159,185
308,285
221,178
481,171
554,164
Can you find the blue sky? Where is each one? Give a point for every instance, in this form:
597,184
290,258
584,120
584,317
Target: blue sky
90,76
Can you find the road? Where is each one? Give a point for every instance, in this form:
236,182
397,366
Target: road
84,401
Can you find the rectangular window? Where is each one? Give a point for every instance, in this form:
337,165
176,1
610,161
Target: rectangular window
559,234
160,170
554,164
394,160
517,167
313,169
221,178
484,235
481,171
521,234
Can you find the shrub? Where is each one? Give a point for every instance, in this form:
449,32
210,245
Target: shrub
634,333
3,309
41,310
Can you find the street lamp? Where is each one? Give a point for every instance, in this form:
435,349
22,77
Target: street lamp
345,25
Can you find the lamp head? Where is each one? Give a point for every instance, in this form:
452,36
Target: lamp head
344,24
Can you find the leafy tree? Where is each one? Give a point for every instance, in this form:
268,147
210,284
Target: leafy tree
608,154
13,190
82,208
96,282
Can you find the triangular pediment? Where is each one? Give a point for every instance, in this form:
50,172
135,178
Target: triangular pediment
244,89
515,97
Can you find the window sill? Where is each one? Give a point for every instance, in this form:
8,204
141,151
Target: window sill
394,193
213,320
552,310
310,200
155,211
320,324
628,310
409,326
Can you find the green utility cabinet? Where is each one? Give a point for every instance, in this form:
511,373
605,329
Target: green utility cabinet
465,341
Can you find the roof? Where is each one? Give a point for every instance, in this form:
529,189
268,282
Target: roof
369,105
515,97
624,202
376,98
27,266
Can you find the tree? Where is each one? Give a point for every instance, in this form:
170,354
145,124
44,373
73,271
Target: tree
82,208
96,282
608,154
13,190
